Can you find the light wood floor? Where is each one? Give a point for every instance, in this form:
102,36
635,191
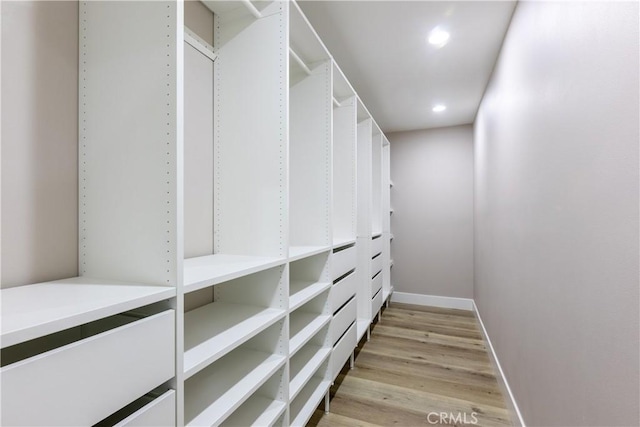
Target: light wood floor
419,360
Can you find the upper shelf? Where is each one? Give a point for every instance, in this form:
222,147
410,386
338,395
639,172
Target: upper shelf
32,311
209,270
303,39
342,89
299,252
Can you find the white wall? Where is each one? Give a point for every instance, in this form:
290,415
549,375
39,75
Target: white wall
557,212
432,198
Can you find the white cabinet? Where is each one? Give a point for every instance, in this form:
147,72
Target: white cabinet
229,184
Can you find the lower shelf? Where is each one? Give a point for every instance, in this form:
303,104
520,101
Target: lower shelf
257,411
304,365
307,401
218,390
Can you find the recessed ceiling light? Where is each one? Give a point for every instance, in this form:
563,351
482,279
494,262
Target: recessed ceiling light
439,108
438,37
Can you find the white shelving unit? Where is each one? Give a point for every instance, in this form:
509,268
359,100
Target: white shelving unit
214,393
225,220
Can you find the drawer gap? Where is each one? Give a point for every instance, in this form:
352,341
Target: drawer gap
36,346
133,407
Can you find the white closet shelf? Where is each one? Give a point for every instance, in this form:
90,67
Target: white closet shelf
304,326
215,329
209,270
338,243
361,327
213,394
33,311
304,291
256,411
304,365
302,408
299,252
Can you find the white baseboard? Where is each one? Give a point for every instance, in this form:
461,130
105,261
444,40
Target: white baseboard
433,300
514,411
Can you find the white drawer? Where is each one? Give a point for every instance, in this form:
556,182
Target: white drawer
160,412
86,381
376,303
342,350
342,262
342,291
376,284
376,265
342,320
376,246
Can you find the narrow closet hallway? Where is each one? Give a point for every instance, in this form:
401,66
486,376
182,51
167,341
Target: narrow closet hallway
323,213
421,362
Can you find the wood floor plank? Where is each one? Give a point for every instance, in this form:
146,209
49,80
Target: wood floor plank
427,337
419,360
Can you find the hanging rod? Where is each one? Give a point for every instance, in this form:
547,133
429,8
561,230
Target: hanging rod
300,62
251,8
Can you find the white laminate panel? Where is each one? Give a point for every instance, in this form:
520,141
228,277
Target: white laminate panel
84,382
342,262
342,319
342,291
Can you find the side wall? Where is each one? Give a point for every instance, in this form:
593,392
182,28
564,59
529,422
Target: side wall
433,211
556,196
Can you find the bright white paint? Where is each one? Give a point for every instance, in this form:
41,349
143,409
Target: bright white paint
556,253
433,211
382,48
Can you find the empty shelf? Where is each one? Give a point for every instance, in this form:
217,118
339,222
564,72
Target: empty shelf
302,408
210,270
305,363
215,329
299,252
257,411
302,292
362,325
33,311
212,395
304,326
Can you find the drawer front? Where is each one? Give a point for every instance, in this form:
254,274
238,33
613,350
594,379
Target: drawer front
342,262
161,412
376,246
342,350
376,265
342,291
84,382
376,284
342,320
376,303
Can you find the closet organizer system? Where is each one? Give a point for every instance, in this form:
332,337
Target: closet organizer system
233,228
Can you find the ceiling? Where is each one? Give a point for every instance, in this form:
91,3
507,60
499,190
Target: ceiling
382,48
